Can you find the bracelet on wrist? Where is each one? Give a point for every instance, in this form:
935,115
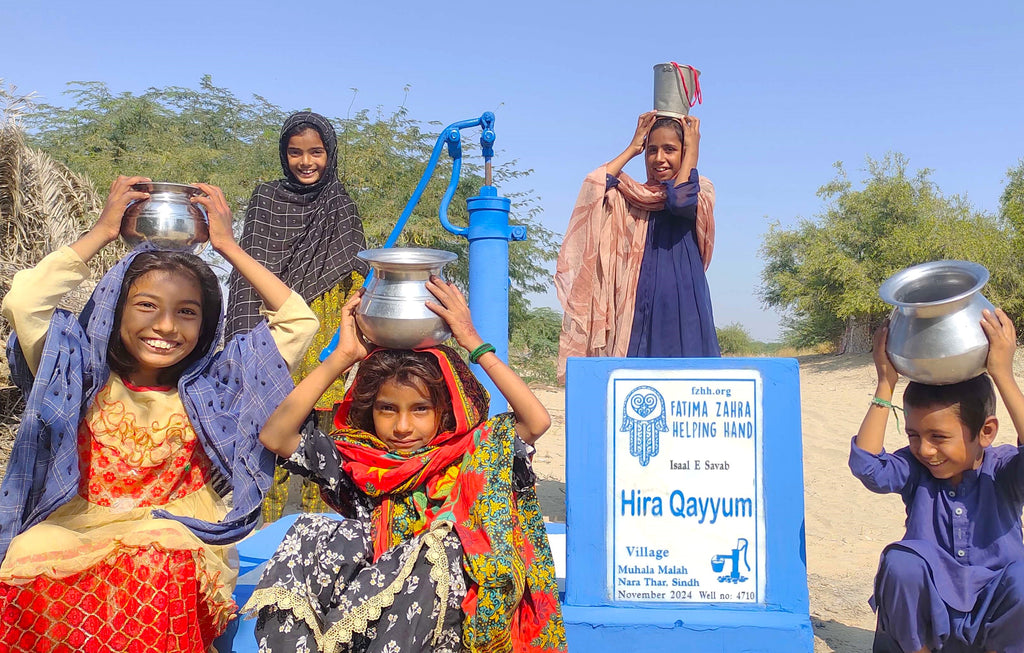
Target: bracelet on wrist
878,401
474,356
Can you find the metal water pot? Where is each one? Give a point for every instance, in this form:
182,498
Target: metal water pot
935,333
393,313
676,89
167,219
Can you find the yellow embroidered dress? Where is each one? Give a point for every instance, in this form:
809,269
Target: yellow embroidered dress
100,570
101,557
327,308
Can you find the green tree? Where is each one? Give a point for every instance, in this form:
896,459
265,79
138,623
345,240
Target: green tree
207,133
534,345
1011,202
735,340
174,133
825,273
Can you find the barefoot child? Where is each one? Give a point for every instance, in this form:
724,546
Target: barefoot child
443,548
113,530
956,579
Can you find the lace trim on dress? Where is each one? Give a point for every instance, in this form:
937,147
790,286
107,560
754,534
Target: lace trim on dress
281,599
441,577
358,619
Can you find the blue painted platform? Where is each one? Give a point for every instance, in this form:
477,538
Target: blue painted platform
253,552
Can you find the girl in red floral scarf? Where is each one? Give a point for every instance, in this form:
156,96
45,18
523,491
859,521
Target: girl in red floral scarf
442,546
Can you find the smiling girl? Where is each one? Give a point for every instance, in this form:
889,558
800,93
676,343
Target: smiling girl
442,547
114,534
631,271
306,230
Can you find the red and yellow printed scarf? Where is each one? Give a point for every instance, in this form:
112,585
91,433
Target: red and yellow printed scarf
464,476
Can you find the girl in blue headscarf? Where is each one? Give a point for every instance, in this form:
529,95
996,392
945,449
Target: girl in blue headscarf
113,528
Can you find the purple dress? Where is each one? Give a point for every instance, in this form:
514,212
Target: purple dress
955,582
672,317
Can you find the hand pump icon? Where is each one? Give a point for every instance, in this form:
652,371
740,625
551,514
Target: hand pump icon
718,563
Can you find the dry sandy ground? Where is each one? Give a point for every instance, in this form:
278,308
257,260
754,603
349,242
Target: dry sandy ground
847,526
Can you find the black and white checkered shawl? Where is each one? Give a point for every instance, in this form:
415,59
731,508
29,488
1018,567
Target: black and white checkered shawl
308,235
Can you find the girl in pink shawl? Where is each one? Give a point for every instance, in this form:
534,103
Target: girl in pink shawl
630,273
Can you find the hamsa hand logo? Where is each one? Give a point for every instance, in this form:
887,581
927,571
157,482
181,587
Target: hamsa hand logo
643,416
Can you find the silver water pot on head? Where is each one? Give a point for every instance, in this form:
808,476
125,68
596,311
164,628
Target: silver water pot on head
168,219
935,333
393,312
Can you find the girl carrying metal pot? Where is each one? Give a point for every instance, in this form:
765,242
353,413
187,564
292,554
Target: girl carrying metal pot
631,271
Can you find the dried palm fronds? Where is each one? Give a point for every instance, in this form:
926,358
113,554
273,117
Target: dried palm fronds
43,206
11,405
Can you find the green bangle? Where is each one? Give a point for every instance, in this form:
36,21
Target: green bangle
475,355
878,401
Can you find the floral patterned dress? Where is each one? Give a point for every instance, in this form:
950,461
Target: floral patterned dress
327,308
441,550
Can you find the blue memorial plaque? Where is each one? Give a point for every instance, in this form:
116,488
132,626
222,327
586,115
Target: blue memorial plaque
684,497
687,515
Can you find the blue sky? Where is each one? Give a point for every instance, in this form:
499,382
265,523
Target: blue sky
789,88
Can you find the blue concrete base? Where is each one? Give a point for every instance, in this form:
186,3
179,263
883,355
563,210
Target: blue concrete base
780,620
651,630
253,552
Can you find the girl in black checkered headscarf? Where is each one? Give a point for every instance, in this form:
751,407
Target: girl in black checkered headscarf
306,230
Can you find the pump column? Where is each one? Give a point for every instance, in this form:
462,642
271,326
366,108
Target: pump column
489,234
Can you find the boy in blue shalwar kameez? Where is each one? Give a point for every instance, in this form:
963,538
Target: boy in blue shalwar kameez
955,582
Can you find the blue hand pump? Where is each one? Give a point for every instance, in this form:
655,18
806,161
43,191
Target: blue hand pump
488,233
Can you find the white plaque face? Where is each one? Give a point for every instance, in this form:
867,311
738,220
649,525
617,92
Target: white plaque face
685,472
